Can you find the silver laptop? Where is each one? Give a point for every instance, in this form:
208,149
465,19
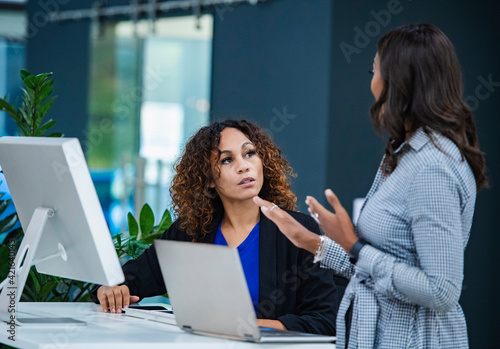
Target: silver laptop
209,294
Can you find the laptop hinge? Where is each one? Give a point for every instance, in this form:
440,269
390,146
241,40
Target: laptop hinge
249,337
187,328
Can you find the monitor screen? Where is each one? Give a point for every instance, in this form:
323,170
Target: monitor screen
52,173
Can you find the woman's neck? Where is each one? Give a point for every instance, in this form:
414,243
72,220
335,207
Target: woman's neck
238,221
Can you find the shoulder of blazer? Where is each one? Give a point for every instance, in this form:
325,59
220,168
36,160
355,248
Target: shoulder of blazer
174,232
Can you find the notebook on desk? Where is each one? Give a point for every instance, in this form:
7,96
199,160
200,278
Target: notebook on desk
208,292
158,312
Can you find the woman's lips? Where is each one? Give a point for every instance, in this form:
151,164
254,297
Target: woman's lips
247,182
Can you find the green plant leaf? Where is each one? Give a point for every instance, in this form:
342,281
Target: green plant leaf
136,248
4,204
4,261
43,93
4,105
151,238
56,299
56,134
29,295
133,227
34,279
24,74
42,110
29,81
15,235
45,127
25,117
47,289
40,78
28,96
166,221
8,223
146,220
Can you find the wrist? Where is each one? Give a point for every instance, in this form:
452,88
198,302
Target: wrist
356,249
310,242
349,244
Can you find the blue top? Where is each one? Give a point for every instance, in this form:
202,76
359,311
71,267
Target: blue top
249,256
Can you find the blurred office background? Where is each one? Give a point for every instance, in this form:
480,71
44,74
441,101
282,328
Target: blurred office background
134,83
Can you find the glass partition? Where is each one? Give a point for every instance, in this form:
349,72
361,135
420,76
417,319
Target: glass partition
149,93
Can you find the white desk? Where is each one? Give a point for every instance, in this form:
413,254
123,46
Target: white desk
114,331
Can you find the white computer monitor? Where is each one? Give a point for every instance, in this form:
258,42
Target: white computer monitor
65,231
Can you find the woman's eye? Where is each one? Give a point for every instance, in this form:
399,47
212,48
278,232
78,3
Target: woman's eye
251,153
226,161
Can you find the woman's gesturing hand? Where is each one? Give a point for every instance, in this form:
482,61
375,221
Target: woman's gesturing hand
337,226
299,235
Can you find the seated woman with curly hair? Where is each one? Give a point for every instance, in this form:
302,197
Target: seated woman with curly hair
223,167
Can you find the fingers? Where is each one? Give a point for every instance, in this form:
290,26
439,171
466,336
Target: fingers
262,203
115,298
288,226
134,299
125,298
333,200
269,209
111,299
315,206
103,299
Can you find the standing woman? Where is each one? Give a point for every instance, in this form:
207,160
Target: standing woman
222,168
405,258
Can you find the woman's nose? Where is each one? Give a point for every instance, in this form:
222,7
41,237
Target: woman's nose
243,166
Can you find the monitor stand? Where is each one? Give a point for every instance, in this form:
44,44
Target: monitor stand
12,287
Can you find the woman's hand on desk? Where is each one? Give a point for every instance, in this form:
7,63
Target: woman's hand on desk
271,324
115,298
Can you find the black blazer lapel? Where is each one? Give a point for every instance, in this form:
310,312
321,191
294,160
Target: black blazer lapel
267,268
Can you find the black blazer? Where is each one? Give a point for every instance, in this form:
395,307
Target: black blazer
292,289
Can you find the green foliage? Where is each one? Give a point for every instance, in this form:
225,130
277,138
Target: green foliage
136,242
48,288
35,105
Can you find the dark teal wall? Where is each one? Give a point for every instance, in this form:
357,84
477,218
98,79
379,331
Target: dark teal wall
271,65
61,48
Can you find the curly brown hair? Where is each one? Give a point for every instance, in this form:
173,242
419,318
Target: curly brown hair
196,203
